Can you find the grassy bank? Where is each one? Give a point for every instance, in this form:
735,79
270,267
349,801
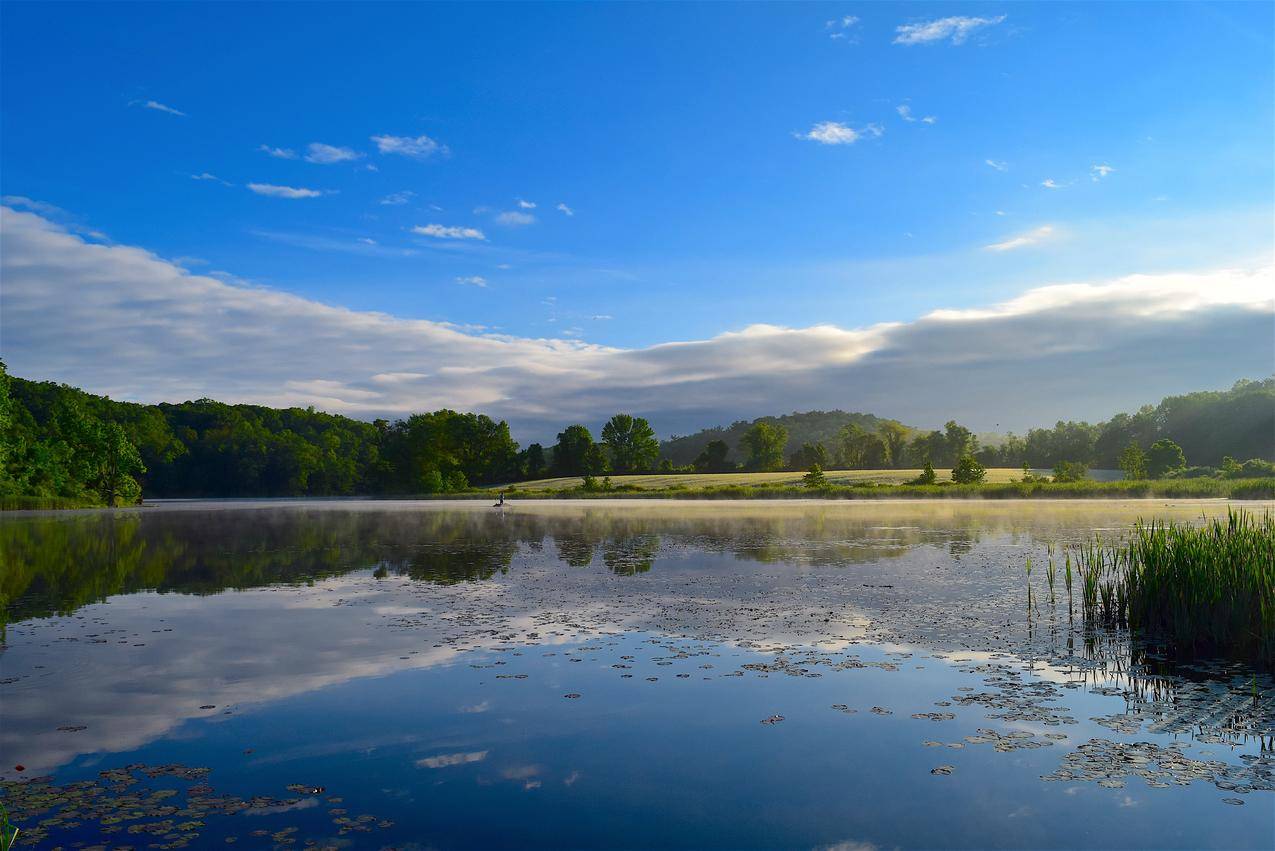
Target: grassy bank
1201,591
1173,488
42,503
1158,488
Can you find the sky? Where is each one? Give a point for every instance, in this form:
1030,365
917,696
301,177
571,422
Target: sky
1006,213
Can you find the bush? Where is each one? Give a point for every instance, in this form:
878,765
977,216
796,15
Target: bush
815,478
1195,473
927,476
1256,468
1253,468
968,471
1071,471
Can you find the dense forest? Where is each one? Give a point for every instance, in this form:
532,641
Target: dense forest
60,442
808,427
1209,426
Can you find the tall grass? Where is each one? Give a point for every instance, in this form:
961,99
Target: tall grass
1204,590
43,503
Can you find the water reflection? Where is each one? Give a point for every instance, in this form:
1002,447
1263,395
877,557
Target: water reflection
753,605
56,563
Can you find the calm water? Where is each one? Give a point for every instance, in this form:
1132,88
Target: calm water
747,675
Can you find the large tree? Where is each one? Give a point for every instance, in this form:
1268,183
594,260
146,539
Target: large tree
571,452
1164,457
765,444
894,435
1133,462
632,443
714,458
809,456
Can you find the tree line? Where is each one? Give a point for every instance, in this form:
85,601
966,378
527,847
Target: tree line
59,441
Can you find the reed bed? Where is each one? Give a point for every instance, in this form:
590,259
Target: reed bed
1202,590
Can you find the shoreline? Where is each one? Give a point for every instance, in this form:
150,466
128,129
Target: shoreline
616,500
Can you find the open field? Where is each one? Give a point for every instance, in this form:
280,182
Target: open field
662,481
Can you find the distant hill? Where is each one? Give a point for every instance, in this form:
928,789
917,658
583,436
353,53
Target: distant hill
807,427
1208,425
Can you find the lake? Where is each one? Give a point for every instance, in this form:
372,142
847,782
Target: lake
793,674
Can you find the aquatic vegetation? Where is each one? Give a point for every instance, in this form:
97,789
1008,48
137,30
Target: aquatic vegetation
8,830
1206,590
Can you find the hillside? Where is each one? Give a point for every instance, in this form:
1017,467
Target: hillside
807,427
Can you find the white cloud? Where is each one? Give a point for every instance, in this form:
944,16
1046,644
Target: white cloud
1050,183
514,218
565,210
396,198
905,112
472,280
317,152
278,153
283,191
119,320
957,29
449,759
1031,237
601,317
214,178
836,133
998,165
419,147
159,107
526,205
448,232
1098,171
839,26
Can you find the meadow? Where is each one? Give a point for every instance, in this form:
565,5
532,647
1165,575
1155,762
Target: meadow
664,481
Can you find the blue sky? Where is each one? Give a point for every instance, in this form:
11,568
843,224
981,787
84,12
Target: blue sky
723,165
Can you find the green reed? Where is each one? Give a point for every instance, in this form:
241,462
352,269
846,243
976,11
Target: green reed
8,830
1204,590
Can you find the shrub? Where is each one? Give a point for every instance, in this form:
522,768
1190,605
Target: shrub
815,478
927,476
968,471
1195,473
1071,471
1256,468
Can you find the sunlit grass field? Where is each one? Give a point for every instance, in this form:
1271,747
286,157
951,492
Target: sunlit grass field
661,481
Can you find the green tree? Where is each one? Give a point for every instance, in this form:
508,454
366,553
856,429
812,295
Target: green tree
1133,462
849,446
596,461
571,452
895,437
1164,457
714,458
632,442
809,455
765,444
534,466
815,478
927,477
120,462
968,471
958,441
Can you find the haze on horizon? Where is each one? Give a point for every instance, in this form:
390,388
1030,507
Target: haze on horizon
1007,214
